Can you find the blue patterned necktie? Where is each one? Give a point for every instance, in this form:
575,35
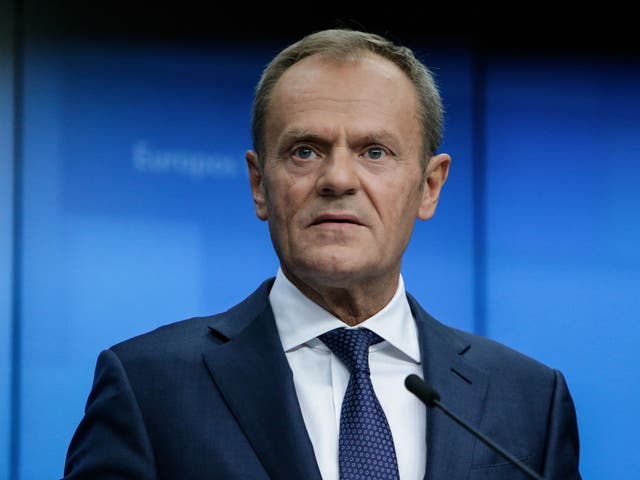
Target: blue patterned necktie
365,443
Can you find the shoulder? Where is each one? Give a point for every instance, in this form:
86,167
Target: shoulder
499,358
487,354
192,335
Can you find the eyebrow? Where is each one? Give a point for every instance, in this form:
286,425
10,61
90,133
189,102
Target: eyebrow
297,134
380,136
302,134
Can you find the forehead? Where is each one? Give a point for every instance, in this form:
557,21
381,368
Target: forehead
369,93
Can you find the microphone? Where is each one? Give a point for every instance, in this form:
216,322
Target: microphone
431,398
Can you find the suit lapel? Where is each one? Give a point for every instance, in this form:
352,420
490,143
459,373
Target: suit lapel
253,375
462,388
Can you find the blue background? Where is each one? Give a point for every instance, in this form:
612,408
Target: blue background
129,207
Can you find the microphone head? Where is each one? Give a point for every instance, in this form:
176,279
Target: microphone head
422,390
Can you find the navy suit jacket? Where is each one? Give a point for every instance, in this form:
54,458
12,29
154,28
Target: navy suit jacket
213,398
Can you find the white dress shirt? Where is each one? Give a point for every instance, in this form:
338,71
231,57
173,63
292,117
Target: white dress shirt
321,379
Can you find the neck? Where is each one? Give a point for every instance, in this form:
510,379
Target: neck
354,302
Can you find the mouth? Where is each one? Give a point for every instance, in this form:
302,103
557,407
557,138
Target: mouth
333,219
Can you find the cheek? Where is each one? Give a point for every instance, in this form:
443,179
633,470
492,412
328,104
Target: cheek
399,210
282,205
400,198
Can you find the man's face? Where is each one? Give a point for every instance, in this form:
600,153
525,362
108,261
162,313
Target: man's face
342,185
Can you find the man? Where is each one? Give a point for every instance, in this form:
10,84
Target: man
346,127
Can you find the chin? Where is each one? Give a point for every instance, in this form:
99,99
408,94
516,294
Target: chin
335,272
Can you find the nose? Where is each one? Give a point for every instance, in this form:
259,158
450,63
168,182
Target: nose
338,174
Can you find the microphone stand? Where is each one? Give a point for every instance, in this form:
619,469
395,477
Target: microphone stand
431,398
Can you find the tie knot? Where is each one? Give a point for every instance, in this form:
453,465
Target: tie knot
351,346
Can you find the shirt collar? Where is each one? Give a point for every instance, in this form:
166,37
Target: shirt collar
300,321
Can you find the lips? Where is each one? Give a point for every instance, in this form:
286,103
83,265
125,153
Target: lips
329,218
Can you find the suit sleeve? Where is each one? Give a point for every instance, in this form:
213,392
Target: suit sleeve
562,454
111,441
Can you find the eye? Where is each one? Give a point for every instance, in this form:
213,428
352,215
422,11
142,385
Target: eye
304,153
375,153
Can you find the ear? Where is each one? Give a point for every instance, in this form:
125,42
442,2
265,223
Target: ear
257,189
437,171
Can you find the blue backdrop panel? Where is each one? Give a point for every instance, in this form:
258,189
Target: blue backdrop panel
6,241
563,234
438,265
136,208
137,212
